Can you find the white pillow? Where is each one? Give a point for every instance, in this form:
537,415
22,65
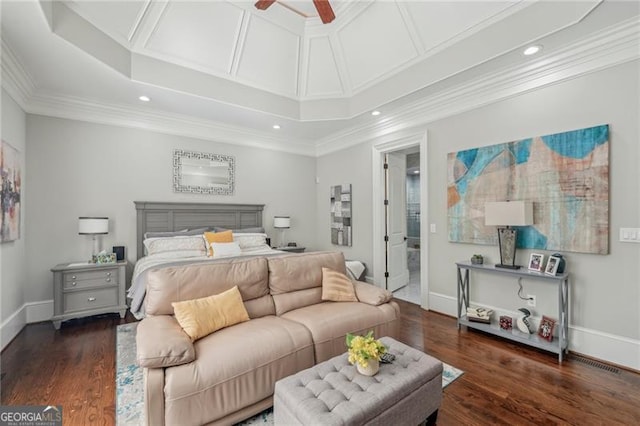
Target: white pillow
225,249
191,243
250,240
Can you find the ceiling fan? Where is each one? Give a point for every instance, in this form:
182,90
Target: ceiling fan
322,6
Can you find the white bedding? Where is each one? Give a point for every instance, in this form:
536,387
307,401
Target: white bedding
137,290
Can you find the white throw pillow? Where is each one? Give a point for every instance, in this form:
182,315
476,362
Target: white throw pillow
174,244
250,240
225,249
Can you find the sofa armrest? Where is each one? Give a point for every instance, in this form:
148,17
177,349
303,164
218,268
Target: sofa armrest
161,342
370,294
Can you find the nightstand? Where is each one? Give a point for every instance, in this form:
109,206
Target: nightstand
291,249
85,289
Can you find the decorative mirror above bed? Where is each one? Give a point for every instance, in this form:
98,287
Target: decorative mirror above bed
203,173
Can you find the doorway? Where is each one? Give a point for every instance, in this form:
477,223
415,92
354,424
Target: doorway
413,217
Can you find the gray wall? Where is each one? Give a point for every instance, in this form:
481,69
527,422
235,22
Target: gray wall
13,254
78,169
605,296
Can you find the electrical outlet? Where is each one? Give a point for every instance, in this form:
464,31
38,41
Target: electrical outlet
532,300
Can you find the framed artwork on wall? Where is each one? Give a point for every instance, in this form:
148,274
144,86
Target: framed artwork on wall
341,215
203,173
11,185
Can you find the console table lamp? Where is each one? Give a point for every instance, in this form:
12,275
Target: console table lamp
93,226
504,214
281,223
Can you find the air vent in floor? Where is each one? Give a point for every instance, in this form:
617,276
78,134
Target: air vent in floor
596,364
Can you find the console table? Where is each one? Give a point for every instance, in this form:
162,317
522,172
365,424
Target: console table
558,345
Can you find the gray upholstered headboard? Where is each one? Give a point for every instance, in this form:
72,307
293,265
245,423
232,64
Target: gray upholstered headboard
159,216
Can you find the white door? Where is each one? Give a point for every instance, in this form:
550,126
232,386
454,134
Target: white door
397,222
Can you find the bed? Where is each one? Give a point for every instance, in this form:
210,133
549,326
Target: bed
168,235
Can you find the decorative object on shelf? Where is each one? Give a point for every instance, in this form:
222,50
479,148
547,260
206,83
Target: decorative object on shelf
536,166
536,262
9,193
523,322
561,264
508,213
119,251
94,226
104,257
506,323
203,173
341,215
282,223
477,259
546,328
478,314
552,265
365,352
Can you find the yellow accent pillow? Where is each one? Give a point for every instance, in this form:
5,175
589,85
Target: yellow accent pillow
201,317
217,237
337,287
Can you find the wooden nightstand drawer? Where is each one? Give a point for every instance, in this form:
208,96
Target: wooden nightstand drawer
86,279
90,299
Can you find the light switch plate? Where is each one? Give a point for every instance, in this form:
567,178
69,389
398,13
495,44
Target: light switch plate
630,235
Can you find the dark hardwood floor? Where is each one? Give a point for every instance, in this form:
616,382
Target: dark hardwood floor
503,383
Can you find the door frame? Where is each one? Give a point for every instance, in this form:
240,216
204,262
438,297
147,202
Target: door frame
379,150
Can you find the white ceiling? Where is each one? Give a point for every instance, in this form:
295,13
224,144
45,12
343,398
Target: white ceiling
229,70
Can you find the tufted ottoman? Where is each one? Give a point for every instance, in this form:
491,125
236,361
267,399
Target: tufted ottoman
406,392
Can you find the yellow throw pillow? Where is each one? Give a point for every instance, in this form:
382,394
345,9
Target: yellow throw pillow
201,317
217,237
337,287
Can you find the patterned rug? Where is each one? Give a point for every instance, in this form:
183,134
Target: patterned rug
129,392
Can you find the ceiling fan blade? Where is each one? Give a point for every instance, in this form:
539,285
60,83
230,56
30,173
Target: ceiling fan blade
264,4
324,10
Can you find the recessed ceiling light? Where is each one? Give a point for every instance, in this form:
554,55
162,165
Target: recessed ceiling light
532,50
276,126
416,172
144,98
376,112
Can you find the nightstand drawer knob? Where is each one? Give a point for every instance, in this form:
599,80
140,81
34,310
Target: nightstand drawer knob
108,280
108,274
73,284
91,299
73,277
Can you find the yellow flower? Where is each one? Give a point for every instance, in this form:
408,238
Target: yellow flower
364,348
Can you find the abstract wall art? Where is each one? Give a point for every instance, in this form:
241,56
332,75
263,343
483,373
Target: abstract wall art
565,175
10,186
341,215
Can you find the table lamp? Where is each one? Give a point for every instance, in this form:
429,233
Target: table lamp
504,214
281,223
93,226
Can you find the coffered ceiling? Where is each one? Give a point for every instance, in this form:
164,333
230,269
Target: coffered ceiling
229,67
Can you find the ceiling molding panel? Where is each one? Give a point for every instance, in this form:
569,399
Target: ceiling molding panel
270,57
321,77
147,25
203,35
371,52
118,19
16,80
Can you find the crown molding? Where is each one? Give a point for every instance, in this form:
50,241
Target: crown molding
16,80
62,106
605,49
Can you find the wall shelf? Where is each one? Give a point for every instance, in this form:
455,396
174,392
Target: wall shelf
558,345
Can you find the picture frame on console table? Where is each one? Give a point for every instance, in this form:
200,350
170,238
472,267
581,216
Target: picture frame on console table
545,330
552,265
536,262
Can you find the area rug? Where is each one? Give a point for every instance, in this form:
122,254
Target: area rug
129,392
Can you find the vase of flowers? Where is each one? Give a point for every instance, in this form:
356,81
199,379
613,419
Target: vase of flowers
365,353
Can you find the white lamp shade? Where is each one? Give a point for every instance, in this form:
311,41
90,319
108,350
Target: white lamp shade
93,225
508,213
281,222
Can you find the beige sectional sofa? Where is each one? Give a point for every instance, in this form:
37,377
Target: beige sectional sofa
230,374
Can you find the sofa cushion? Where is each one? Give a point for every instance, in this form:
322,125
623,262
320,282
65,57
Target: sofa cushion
329,323
337,287
370,294
178,283
161,342
201,317
234,368
295,281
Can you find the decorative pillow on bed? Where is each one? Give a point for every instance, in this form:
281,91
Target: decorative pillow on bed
217,237
177,246
201,317
337,287
167,234
255,230
250,240
225,249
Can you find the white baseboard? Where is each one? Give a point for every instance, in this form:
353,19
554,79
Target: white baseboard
12,326
607,347
28,313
